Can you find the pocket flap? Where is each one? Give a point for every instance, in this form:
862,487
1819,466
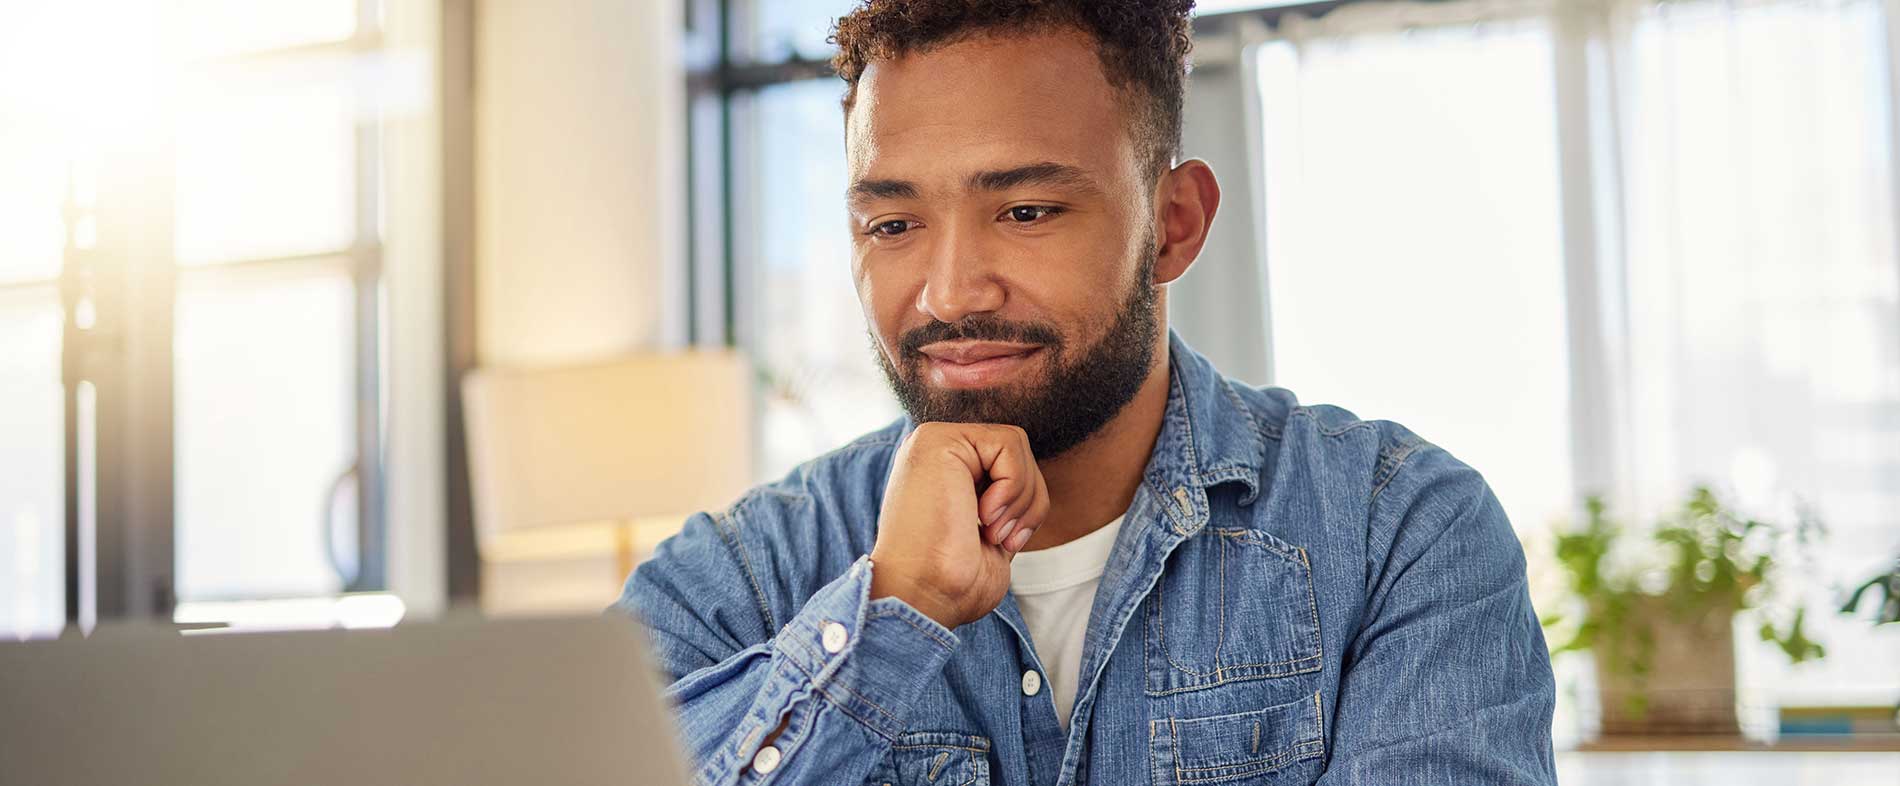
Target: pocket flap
933,758
1224,747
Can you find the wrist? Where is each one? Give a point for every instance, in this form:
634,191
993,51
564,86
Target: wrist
888,581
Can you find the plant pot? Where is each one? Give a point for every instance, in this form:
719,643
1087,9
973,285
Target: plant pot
1686,681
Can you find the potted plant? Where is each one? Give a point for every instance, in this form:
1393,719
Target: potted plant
1885,590
1657,611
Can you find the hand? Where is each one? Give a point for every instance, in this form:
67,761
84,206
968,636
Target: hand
961,501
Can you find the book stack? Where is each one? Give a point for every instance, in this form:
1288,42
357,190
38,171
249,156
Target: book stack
1850,728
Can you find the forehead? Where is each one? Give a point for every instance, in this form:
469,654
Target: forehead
987,102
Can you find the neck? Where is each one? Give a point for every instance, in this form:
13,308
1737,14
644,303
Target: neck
1095,481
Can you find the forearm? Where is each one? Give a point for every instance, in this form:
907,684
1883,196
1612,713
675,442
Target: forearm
836,684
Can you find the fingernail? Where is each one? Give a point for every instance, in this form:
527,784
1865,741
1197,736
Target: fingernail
1002,535
1019,540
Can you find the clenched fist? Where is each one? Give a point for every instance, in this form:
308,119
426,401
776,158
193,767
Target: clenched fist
962,499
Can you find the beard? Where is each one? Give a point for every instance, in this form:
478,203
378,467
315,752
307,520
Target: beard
1079,392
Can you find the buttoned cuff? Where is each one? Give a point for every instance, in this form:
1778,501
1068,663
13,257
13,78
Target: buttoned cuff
871,658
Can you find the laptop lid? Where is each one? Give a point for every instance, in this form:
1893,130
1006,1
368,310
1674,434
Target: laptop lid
463,702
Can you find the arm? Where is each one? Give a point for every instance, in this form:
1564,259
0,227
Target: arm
1448,680
735,680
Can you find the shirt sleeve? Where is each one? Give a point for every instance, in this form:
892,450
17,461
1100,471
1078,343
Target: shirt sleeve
841,674
1448,680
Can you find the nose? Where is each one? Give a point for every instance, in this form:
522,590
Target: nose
961,280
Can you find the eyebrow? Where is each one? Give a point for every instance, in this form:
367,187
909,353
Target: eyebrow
866,190
1044,173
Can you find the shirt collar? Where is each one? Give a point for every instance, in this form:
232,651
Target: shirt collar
1208,435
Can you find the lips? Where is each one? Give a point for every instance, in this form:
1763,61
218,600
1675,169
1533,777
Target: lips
975,364
964,352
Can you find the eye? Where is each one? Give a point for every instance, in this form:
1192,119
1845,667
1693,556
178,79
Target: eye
1026,214
890,228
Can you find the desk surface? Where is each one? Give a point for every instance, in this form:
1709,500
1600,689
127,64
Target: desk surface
1727,768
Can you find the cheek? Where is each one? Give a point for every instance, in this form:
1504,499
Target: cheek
1073,286
881,297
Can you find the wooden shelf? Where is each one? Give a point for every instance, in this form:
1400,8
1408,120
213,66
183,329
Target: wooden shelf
1721,742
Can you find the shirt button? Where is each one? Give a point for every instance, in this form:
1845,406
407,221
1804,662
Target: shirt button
1032,682
767,759
833,637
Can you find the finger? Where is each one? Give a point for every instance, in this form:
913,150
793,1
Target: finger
1010,509
1014,478
1031,520
999,502
1012,518
1004,453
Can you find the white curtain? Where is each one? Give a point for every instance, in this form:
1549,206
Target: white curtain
1618,247
1760,346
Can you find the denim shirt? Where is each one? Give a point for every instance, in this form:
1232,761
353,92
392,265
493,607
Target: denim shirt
1295,596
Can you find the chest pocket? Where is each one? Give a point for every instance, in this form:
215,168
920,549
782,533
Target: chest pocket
932,758
1233,605
1279,744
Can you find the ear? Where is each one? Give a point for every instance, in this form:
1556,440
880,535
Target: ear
1185,202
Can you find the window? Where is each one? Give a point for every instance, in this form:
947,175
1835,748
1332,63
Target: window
31,406
1413,247
820,384
1764,293
190,255
1686,207
276,221
775,129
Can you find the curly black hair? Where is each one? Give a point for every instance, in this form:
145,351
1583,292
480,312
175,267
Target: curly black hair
1144,47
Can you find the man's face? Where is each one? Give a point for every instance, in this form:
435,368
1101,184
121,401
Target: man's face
1003,245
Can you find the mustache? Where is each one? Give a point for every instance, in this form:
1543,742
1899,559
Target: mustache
980,327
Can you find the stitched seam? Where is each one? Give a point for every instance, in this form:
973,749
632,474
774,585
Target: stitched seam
1319,727
1193,455
1246,673
1152,753
861,697
927,746
1161,623
1312,607
845,707
1275,429
1397,465
1245,666
879,614
1174,732
1303,749
1220,631
1257,538
1218,673
1253,424
1321,427
1275,758
1187,418
729,532
1271,761
1227,472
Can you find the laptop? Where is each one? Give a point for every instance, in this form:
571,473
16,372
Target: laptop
465,702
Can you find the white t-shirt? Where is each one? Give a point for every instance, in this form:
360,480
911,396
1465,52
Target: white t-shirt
1055,588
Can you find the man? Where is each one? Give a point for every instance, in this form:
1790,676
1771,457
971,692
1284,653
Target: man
1085,556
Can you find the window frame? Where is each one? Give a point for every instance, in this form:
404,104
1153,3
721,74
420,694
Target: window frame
119,487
